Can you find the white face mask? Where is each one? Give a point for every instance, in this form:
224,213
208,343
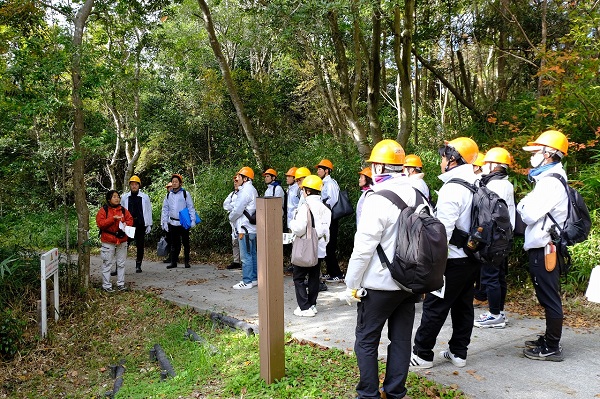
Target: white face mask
537,159
486,169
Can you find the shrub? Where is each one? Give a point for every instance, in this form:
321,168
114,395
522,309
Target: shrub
11,333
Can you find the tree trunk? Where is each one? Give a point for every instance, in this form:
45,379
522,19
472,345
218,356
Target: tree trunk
83,212
235,98
402,55
133,154
502,75
542,52
374,85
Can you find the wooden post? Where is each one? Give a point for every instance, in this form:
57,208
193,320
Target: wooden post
269,254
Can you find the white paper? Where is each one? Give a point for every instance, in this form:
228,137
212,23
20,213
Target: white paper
441,291
129,231
288,238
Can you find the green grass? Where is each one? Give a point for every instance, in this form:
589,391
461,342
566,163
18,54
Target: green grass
106,329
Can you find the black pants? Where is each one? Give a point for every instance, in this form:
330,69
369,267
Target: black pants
458,299
493,281
479,293
398,309
547,290
331,261
306,294
177,236
140,240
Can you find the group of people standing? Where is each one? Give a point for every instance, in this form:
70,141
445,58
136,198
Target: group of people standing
380,299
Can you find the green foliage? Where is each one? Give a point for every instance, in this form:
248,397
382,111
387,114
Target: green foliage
12,328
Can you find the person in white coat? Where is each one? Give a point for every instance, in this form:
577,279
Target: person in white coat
548,197
293,191
413,168
228,205
243,216
453,209
320,216
176,200
493,275
138,204
370,283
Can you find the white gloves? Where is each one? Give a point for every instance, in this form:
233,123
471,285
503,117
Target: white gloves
148,228
352,295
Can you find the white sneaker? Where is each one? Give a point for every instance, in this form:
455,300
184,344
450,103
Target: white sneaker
255,283
457,361
242,286
416,363
314,309
488,320
304,313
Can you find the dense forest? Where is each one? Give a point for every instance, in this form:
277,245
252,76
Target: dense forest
93,91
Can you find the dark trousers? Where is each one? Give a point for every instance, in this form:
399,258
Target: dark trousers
331,261
306,293
458,300
480,292
140,239
177,236
398,309
493,280
547,290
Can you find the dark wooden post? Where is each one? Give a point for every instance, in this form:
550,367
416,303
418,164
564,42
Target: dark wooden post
269,231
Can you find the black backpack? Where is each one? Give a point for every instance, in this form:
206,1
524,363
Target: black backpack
490,236
578,223
421,248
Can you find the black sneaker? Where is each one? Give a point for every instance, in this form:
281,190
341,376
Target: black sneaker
121,288
171,266
187,266
110,290
234,265
544,353
534,344
138,269
323,287
113,273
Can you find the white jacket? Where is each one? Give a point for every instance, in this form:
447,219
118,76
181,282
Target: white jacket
548,195
146,206
322,218
453,207
246,200
292,201
173,203
360,203
417,182
378,225
274,191
330,192
228,205
506,191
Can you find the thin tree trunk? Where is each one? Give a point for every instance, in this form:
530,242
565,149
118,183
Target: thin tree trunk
542,52
417,97
235,98
83,212
402,55
374,85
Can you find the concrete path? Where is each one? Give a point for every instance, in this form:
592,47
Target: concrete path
495,367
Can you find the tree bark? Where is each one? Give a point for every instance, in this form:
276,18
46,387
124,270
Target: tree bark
402,55
374,85
542,52
83,212
235,98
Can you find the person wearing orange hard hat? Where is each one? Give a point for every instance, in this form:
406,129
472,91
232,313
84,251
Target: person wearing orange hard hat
228,205
545,207
413,168
453,209
330,195
176,200
243,216
478,164
493,275
274,188
365,182
138,204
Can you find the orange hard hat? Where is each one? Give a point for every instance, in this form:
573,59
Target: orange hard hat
413,160
367,172
302,172
498,155
387,152
325,163
550,138
271,172
247,171
466,147
291,171
178,176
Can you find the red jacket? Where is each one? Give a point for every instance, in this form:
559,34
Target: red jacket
109,226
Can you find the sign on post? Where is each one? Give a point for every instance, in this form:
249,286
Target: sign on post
49,268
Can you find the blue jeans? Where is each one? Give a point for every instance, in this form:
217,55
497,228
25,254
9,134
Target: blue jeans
248,257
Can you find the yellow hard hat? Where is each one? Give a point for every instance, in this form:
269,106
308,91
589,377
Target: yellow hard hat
387,152
271,172
302,172
246,171
497,155
367,172
466,147
135,179
480,160
550,138
413,160
312,181
291,171
326,163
